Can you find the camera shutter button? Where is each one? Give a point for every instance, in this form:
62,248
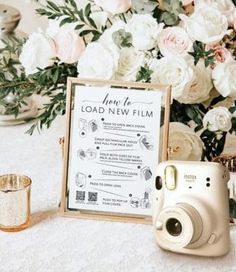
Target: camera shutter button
212,239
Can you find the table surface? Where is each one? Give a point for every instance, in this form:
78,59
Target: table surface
59,244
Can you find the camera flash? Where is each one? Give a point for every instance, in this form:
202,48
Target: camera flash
170,177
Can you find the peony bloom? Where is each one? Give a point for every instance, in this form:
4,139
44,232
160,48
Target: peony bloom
37,52
218,119
114,6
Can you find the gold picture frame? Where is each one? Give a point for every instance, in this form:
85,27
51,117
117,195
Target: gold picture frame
72,82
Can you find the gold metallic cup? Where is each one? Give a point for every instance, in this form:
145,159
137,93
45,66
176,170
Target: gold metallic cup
14,202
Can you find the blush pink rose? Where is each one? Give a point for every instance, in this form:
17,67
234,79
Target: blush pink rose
69,45
174,41
114,6
221,53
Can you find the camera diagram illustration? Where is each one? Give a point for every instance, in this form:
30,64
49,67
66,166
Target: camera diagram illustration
86,127
80,180
146,142
89,154
144,202
145,173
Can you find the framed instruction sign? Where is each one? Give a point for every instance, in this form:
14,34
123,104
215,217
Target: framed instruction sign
112,148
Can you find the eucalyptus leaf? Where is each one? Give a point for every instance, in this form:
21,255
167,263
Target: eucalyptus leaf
144,6
169,18
122,38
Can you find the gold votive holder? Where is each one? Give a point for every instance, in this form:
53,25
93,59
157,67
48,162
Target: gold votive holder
229,161
14,202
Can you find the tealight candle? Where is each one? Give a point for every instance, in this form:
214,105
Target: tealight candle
14,202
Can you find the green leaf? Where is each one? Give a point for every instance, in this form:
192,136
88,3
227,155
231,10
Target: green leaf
201,53
169,18
213,143
73,3
64,21
144,74
217,100
91,21
79,27
122,38
55,76
84,33
81,15
87,10
53,6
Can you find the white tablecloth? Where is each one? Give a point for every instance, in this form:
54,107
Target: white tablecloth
59,244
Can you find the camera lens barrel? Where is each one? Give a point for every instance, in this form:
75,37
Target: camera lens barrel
182,225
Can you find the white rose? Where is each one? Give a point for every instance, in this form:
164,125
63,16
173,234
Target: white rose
129,64
37,52
114,6
206,24
97,62
174,41
218,119
201,86
175,72
184,143
224,78
145,30
226,7
69,45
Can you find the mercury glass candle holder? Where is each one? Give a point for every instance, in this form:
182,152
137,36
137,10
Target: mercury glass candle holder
229,161
14,202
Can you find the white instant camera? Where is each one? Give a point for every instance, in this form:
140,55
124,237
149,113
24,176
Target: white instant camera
191,208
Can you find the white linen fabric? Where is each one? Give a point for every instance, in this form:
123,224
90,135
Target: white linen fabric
57,244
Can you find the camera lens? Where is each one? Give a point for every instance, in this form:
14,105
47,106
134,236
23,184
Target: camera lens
174,227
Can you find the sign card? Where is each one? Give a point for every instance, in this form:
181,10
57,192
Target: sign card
114,150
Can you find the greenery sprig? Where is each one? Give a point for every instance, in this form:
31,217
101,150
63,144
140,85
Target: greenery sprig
12,78
50,82
144,74
70,13
200,52
169,14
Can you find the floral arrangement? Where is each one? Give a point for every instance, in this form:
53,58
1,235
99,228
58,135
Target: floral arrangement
190,45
